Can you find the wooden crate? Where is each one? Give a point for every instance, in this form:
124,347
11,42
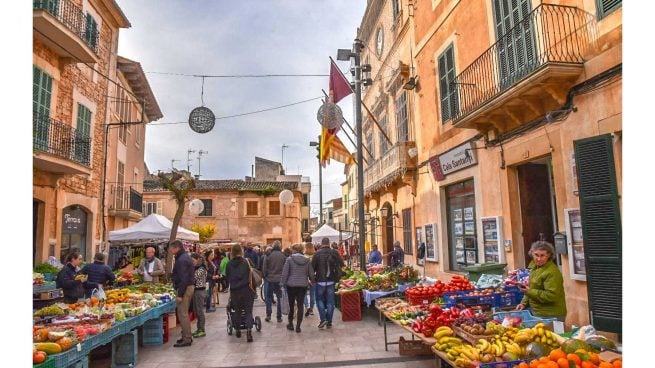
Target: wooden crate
413,347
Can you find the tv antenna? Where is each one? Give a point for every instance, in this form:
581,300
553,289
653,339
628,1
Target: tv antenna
283,147
200,153
188,159
173,161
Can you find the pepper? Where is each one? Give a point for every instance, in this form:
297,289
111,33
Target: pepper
435,309
430,322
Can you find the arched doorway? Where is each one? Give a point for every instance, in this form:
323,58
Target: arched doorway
387,225
73,231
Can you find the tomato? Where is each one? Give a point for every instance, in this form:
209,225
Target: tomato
39,357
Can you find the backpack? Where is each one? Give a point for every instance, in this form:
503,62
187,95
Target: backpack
335,272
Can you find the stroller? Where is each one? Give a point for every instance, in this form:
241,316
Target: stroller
257,322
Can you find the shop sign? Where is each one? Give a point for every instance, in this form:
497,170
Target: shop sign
454,160
74,222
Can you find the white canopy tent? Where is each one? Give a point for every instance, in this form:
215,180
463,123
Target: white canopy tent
150,228
326,231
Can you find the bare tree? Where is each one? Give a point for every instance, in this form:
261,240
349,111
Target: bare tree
180,183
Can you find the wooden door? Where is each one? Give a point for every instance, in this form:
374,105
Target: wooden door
536,206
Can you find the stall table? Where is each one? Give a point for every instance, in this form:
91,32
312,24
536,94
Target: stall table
387,317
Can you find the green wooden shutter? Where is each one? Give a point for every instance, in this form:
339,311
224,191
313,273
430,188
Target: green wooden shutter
91,31
448,95
83,120
601,229
41,96
516,49
604,7
82,141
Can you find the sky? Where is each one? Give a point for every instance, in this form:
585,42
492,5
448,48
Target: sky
241,38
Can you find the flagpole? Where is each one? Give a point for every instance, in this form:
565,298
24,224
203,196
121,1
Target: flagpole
357,49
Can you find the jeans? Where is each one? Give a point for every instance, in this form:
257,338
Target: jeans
312,297
183,312
325,301
270,289
296,296
199,297
210,295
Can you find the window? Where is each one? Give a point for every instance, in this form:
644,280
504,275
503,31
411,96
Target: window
91,31
407,231
124,109
384,144
207,204
41,93
81,143
137,135
152,207
401,117
120,176
251,208
605,7
305,199
274,208
447,90
395,8
83,120
369,143
305,225
462,247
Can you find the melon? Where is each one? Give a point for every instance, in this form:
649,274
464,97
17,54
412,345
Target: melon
571,345
536,350
601,343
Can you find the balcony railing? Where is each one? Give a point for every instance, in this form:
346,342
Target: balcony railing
60,139
126,198
70,15
549,34
389,167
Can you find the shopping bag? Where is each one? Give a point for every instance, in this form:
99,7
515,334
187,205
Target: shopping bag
285,302
99,293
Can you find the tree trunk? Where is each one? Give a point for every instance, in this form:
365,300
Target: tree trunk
176,223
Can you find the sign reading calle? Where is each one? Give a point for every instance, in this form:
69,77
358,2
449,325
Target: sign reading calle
454,160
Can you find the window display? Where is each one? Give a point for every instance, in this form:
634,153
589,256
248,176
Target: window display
430,242
577,265
492,238
462,232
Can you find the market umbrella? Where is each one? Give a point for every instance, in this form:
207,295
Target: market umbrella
153,226
327,231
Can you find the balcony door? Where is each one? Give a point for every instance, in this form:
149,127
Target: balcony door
516,43
41,95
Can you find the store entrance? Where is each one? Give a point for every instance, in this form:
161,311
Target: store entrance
537,198
388,229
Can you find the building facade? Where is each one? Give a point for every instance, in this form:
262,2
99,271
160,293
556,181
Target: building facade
240,210
74,50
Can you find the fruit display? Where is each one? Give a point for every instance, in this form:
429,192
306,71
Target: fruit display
43,268
579,359
374,269
51,310
37,278
351,281
405,274
458,283
461,353
538,334
126,277
380,282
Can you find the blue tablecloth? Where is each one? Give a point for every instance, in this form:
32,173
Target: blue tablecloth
370,296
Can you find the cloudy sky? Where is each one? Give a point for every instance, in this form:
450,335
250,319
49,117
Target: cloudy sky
237,38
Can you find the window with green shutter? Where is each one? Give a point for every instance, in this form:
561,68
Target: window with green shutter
83,120
82,140
447,90
384,144
605,7
41,96
91,31
601,230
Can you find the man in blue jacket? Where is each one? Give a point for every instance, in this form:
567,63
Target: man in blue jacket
375,256
183,282
99,274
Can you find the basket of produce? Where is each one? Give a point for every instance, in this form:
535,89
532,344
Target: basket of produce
413,347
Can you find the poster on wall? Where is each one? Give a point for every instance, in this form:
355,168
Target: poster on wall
468,213
457,214
575,243
469,228
459,257
430,242
471,257
459,243
459,228
419,240
492,239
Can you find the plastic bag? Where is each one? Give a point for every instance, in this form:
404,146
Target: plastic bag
285,302
99,293
487,281
584,332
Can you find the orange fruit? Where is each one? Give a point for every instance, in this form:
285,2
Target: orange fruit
552,364
524,365
576,359
563,363
594,357
588,364
544,359
542,365
605,365
556,354
534,363
618,363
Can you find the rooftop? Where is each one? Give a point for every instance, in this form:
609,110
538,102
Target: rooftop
228,185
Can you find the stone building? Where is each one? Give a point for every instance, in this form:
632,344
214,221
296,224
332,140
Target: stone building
517,123
74,53
240,210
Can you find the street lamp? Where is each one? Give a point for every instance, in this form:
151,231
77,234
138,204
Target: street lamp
320,177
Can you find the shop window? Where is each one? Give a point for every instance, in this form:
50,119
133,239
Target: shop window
407,231
462,243
207,204
274,208
251,208
73,231
384,143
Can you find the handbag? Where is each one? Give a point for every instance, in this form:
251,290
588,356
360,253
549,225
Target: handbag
285,302
255,277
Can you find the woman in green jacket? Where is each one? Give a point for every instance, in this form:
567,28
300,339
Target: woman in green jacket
544,294
223,271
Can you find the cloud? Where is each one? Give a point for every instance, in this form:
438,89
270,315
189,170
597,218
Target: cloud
240,37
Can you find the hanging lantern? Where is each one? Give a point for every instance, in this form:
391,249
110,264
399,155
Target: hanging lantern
196,207
286,196
330,115
201,119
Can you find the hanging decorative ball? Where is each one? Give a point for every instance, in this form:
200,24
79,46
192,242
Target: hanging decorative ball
196,207
201,119
286,196
330,115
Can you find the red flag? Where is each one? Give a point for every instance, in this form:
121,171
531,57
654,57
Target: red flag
339,85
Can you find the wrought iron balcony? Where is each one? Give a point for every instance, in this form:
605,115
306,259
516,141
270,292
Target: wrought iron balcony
126,202
68,150
527,72
390,167
63,26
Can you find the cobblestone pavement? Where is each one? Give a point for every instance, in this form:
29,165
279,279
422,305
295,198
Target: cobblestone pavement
346,344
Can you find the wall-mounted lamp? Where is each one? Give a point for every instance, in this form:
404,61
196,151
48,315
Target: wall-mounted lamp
411,83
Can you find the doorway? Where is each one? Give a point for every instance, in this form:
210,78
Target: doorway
35,227
537,199
388,229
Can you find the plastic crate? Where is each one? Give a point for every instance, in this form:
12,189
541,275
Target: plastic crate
449,297
68,357
528,319
82,363
508,364
124,350
48,363
351,315
351,306
152,332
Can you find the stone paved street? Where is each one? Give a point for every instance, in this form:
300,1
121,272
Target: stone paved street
356,344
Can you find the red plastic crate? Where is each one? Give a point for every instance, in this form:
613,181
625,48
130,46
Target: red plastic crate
421,299
165,321
351,314
351,306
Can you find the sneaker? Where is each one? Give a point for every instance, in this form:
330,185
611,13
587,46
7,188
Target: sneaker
180,340
329,324
290,327
238,334
311,311
182,344
199,333
267,319
279,320
307,313
322,324
297,329
211,310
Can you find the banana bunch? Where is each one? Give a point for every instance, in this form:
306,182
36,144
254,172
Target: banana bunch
455,348
537,334
524,336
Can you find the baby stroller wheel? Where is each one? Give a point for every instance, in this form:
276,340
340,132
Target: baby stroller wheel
229,327
258,323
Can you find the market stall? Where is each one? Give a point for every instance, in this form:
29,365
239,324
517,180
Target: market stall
326,231
65,334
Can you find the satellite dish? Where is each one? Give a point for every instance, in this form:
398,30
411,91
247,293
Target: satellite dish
286,196
196,207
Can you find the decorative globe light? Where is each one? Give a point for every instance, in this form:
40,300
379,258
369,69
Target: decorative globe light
286,196
201,119
330,115
196,207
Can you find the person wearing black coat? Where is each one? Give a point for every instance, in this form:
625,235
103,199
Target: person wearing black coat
72,288
212,278
184,284
242,296
99,274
